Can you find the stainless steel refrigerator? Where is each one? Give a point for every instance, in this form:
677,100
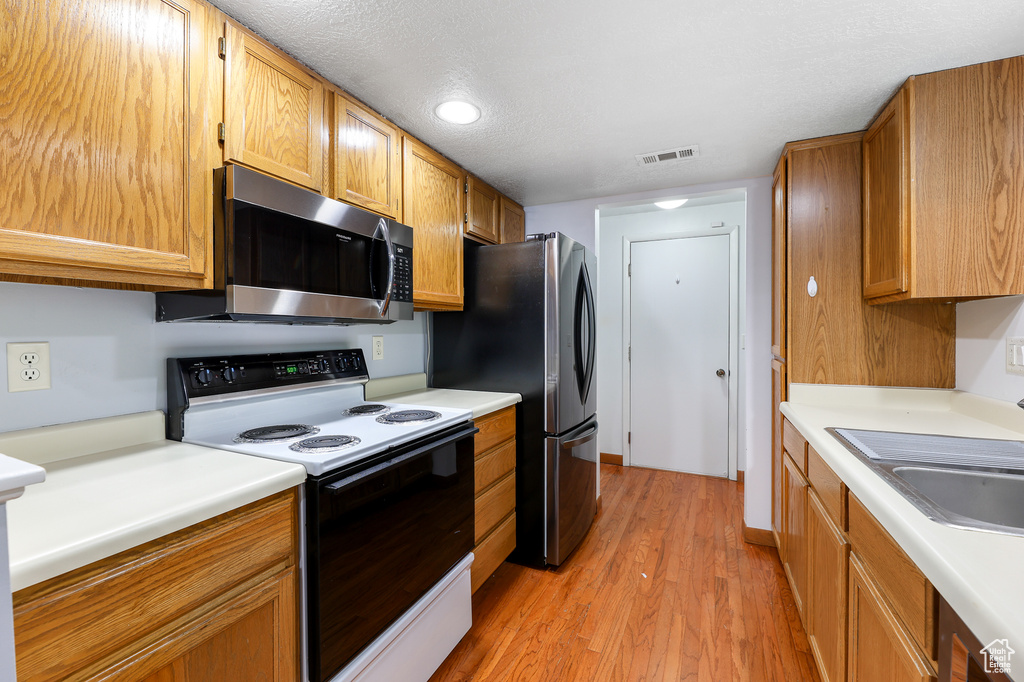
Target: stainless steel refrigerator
528,326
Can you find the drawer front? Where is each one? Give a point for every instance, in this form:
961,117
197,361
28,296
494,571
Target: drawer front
494,428
494,504
493,464
494,549
75,619
795,445
905,588
831,490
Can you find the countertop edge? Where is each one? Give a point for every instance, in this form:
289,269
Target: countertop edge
480,402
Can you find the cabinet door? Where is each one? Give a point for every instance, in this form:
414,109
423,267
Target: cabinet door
887,201
482,211
513,221
779,260
273,111
879,647
250,637
827,552
368,159
432,192
778,395
795,531
105,141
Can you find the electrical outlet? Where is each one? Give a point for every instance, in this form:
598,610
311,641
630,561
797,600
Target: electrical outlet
1015,355
28,366
378,348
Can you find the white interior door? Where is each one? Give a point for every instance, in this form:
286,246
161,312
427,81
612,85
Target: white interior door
679,335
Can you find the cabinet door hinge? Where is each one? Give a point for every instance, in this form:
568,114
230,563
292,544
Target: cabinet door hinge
222,47
465,218
629,353
629,437
220,132
629,270
465,187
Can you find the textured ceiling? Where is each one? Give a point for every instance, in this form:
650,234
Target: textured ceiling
572,89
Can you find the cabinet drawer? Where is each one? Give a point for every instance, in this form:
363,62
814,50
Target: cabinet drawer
495,428
494,549
494,504
831,490
74,620
795,445
906,589
493,464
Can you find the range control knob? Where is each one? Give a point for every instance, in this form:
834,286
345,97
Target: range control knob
204,377
230,375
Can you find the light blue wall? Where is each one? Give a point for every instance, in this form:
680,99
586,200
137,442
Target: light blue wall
107,353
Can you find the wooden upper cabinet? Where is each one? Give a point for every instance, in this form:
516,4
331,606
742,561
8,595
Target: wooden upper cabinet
886,194
779,260
367,159
513,221
273,111
482,203
105,138
432,205
943,181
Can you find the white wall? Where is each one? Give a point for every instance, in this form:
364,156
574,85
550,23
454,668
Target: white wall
107,354
577,219
981,331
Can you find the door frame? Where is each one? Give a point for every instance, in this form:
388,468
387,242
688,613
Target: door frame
733,231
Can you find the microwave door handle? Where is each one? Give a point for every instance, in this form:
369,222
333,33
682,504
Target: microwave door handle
382,226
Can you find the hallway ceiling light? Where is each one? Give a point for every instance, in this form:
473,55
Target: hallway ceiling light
457,112
673,203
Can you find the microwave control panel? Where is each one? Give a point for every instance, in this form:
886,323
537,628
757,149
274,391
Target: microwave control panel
403,274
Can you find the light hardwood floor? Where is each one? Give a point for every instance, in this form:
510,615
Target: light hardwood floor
662,588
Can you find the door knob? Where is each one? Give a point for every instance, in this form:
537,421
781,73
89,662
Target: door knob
720,372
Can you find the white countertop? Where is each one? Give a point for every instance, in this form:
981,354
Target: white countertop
411,389
115,483
979,574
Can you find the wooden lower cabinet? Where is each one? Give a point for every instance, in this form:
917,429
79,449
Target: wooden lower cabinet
825,603
495,473
794,541
215,601
879,647
778,395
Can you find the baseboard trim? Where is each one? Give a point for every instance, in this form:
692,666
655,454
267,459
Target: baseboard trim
739,476
608,458
758,536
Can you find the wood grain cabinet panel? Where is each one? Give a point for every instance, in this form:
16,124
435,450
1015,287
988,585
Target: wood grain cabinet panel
943,180
513,221
494,464
879,648
495,428
273,111
795,541
495,472
827,552
137,613
106,139
367,159
493,550
482,211
830,488
779,258
493,504
432,205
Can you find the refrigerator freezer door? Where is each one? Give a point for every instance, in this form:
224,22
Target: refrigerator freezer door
571,489
571,331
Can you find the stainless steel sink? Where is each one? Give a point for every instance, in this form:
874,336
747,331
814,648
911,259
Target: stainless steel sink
982,489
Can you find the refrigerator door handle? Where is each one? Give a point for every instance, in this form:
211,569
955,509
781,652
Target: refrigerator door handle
588,436
592,336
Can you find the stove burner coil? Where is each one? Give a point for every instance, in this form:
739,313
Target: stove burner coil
409,417
328,443
276,434
367,409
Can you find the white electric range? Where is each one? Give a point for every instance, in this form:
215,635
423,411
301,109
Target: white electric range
388,501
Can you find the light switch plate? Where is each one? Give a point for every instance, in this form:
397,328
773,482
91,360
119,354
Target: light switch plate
28,366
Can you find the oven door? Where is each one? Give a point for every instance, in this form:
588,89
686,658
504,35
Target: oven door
379,536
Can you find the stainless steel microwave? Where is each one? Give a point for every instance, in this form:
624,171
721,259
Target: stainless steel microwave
285,254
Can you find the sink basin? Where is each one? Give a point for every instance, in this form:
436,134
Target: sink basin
993,498
976,484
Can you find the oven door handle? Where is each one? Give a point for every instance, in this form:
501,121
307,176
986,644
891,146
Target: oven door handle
342,484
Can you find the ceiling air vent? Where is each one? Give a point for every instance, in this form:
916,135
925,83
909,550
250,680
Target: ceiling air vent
668,155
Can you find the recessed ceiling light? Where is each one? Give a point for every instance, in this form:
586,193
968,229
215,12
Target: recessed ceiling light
674,203
457,112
